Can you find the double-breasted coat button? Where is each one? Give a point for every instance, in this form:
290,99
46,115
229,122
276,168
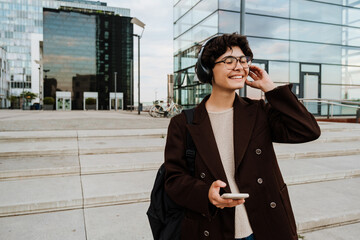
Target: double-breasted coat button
260,180
273,204
202,175
206,233
258,151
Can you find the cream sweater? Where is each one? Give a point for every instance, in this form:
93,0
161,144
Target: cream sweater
222,126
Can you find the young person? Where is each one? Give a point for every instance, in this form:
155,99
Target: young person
233,137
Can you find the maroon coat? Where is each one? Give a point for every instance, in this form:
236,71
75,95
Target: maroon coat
256,125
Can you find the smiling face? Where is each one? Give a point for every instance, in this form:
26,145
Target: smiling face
229,80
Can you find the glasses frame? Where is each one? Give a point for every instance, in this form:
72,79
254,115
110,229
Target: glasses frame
248,59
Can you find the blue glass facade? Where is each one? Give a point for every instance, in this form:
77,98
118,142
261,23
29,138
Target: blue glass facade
21,34
82,52
313,44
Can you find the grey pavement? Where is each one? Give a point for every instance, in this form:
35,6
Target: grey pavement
92,171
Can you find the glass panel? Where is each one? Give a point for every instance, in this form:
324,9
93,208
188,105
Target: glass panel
279,71
310,68
229,22
270,27
274,8
351,17
351,36
315,11
351,75
304,31
351,56
202,10
311,86
315,53
197,34
233,5
331,74
269,49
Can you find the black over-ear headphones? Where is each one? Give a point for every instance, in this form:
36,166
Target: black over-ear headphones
204,74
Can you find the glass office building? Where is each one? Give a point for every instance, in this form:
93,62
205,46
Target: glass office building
82,51
21,35
4,80
315,45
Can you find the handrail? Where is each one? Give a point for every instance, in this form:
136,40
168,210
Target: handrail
328,102
331,103
333,100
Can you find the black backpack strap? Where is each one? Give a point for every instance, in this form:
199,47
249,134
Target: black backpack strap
190,146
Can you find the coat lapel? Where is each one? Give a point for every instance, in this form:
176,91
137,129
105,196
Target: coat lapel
244,122
203,137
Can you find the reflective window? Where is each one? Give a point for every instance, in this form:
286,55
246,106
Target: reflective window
279,71
233,5
294,72
182,7
202,10
331,74
315,53
315,11
351,17
351,36
278,8
203,30
270,27
269,49
351,56
75,53
351,75
315,32
229,22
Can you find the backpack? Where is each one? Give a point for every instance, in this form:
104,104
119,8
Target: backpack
164,215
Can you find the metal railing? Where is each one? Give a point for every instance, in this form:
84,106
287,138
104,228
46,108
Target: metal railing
331,103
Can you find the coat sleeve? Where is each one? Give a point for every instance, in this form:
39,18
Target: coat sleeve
289,120
184,189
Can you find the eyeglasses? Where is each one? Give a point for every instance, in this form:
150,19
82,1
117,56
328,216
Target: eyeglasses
231,62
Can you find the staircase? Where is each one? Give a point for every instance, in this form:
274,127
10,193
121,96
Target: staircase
95,184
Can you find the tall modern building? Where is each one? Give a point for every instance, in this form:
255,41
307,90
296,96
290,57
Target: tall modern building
315,45
67,40
4,80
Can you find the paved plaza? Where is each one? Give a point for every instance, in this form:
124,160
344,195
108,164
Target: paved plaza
88,175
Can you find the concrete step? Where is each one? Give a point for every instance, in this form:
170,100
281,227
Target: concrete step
66,134
73,146
39,195
39,166
55,226
342,232
338,127
300,171
135,186
315,150
33,167
325,206
327,146
63,193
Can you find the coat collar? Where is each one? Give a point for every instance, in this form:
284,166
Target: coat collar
203,136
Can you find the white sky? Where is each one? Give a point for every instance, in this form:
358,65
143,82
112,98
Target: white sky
156,45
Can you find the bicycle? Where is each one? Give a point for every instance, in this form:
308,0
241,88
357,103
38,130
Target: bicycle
161,109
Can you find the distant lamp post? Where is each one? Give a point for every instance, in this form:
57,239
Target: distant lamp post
142,25
41,97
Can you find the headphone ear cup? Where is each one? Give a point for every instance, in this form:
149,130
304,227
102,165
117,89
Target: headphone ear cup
204,74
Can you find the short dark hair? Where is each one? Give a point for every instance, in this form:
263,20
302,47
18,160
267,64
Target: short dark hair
219,45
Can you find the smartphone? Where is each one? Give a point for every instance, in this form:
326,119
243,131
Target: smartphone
235,195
